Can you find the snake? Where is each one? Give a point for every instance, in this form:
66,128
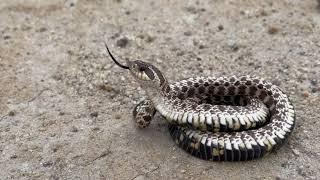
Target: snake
236,118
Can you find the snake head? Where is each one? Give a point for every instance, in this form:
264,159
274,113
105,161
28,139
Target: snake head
145,73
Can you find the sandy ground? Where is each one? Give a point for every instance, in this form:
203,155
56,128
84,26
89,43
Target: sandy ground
65,110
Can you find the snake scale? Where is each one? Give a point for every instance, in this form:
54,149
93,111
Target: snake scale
218,119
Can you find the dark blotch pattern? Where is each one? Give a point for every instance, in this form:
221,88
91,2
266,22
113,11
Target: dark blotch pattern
221,90
242,89
233,91
237,83
167,89
201,89
253,90
248,83
263,95
191,92
184,89
181,96
211,90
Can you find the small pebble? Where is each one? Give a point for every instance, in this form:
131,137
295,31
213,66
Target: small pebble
187,33
6,37
300,171
263,13
42,29
273,30
96,129
233,45
55,149
25,28
105,87
306,94
315,89
284,165
220,27
278,178
117,116
11,113
296,152
74,129
47,164
313,82
201,46
94,114
149,39
116,35
123,42
180,53
14,156
302,53
191,9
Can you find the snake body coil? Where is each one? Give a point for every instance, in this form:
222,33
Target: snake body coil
220,119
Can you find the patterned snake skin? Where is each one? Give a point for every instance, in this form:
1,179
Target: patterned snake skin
217,119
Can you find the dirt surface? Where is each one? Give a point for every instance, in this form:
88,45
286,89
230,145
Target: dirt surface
65,110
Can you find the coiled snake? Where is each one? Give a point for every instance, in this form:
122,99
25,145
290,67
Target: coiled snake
218,119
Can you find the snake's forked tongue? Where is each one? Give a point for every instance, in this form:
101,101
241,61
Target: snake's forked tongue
114,59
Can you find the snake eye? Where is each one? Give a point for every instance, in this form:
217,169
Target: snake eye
142,70
135,66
